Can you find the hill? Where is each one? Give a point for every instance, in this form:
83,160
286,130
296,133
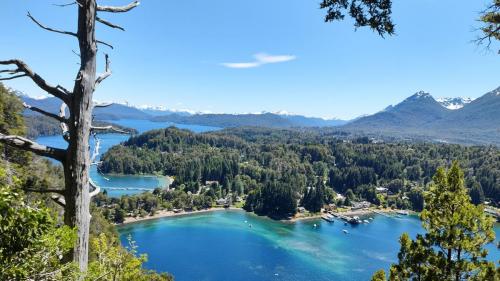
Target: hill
422,117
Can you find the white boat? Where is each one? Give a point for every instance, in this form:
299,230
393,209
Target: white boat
366,221
327,217
402,212
345,231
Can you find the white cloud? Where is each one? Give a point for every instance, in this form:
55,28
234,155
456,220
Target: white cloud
260,59
241,64
265,58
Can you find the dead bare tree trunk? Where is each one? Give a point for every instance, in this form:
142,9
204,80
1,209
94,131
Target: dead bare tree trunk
77,127
77,164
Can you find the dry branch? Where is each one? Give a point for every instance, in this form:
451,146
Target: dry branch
29,145
51,29
24,68
13,77
100,105
59,191
59,200
106,74
110,24
118,9
108,128
41,111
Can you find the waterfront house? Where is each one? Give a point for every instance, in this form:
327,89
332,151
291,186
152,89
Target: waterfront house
221,201
360,205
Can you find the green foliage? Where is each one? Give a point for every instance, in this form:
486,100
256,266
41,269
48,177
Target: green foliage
375,14
477,193
113,262
456,233
379,276
11,122
249,159
491,19
315,198
31,245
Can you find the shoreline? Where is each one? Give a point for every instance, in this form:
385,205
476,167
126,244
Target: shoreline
172,214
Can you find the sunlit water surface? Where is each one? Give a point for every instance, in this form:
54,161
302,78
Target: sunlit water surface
221,245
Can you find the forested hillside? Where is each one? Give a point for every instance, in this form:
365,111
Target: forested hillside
34,244
275,168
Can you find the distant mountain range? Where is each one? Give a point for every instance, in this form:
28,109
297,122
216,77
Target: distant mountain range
422,117
121,111
419,117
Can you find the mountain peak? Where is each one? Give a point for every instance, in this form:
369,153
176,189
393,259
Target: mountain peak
454,103
420,95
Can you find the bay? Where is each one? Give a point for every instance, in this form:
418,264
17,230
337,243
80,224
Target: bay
118,185
222,246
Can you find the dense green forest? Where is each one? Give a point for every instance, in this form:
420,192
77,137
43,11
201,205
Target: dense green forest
34,242
280,169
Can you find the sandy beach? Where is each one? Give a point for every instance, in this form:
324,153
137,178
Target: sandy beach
298,217
167,214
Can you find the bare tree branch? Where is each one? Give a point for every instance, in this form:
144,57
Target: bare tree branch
63,89
105,44
24,68
108,128
110,24
9,71
97,146
106,74
96,190
58,191
51,29
41,111
13,77
68,4
64,125
121,9
29,145
100,105
59,200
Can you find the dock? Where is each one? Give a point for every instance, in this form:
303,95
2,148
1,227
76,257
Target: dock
328,217
351,220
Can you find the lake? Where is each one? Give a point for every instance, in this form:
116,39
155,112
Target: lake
118,185
221,245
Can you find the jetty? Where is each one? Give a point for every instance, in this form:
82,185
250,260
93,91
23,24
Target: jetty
351,220
328,217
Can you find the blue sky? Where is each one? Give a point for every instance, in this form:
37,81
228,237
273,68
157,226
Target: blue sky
263,55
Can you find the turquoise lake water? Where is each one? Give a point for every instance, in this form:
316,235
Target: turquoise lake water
117,186
220,246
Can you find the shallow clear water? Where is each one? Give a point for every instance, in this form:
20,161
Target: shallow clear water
221,246
117,186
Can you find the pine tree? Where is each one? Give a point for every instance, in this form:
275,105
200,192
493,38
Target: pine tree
457,231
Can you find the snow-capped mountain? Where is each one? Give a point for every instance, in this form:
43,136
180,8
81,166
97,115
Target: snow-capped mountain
454,103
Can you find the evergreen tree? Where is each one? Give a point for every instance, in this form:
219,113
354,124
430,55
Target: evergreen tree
457,231
477,194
